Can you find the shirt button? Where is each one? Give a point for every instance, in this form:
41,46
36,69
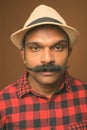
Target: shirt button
51,105
52,128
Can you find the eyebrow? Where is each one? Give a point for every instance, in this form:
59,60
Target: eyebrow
63,42
32,43
38,43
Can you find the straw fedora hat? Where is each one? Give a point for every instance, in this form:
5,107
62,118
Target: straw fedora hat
44,15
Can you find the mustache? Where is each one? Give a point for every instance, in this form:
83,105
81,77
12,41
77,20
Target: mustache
47,68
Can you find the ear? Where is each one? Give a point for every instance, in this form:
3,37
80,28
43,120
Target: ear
70,50
22,53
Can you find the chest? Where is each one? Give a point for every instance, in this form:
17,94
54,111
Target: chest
66,111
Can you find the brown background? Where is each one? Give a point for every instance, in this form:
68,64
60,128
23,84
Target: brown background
14,13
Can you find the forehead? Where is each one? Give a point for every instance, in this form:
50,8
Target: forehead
46,28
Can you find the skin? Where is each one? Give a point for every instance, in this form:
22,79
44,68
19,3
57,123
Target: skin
46,44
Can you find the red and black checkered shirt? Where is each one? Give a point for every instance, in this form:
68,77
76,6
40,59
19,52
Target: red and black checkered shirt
23,109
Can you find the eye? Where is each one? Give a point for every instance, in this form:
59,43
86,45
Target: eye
34,48
59,47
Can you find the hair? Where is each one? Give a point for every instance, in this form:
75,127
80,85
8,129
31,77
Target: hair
43,26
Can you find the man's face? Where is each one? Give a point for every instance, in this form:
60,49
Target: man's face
46,45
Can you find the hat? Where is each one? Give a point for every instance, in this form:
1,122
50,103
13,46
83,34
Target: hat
44,15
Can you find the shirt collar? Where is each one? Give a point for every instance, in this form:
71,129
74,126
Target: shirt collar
68,82
23,87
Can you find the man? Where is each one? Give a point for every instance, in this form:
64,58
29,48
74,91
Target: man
46,97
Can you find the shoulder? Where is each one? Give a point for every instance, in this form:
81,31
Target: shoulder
11,88
7,91
10,91
7,95
79,85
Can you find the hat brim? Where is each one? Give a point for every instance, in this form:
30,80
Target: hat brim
17,37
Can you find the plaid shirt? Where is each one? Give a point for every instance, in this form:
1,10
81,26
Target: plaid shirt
23,109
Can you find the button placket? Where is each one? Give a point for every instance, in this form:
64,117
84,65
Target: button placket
52,120
53,128
51,105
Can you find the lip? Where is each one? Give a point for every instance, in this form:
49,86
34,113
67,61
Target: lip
48,73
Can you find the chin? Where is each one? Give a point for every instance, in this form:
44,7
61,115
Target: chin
49,80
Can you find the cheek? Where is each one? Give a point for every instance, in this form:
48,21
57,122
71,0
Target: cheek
31,59
62,59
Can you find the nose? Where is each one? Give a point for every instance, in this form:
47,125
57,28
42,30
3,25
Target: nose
47,56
